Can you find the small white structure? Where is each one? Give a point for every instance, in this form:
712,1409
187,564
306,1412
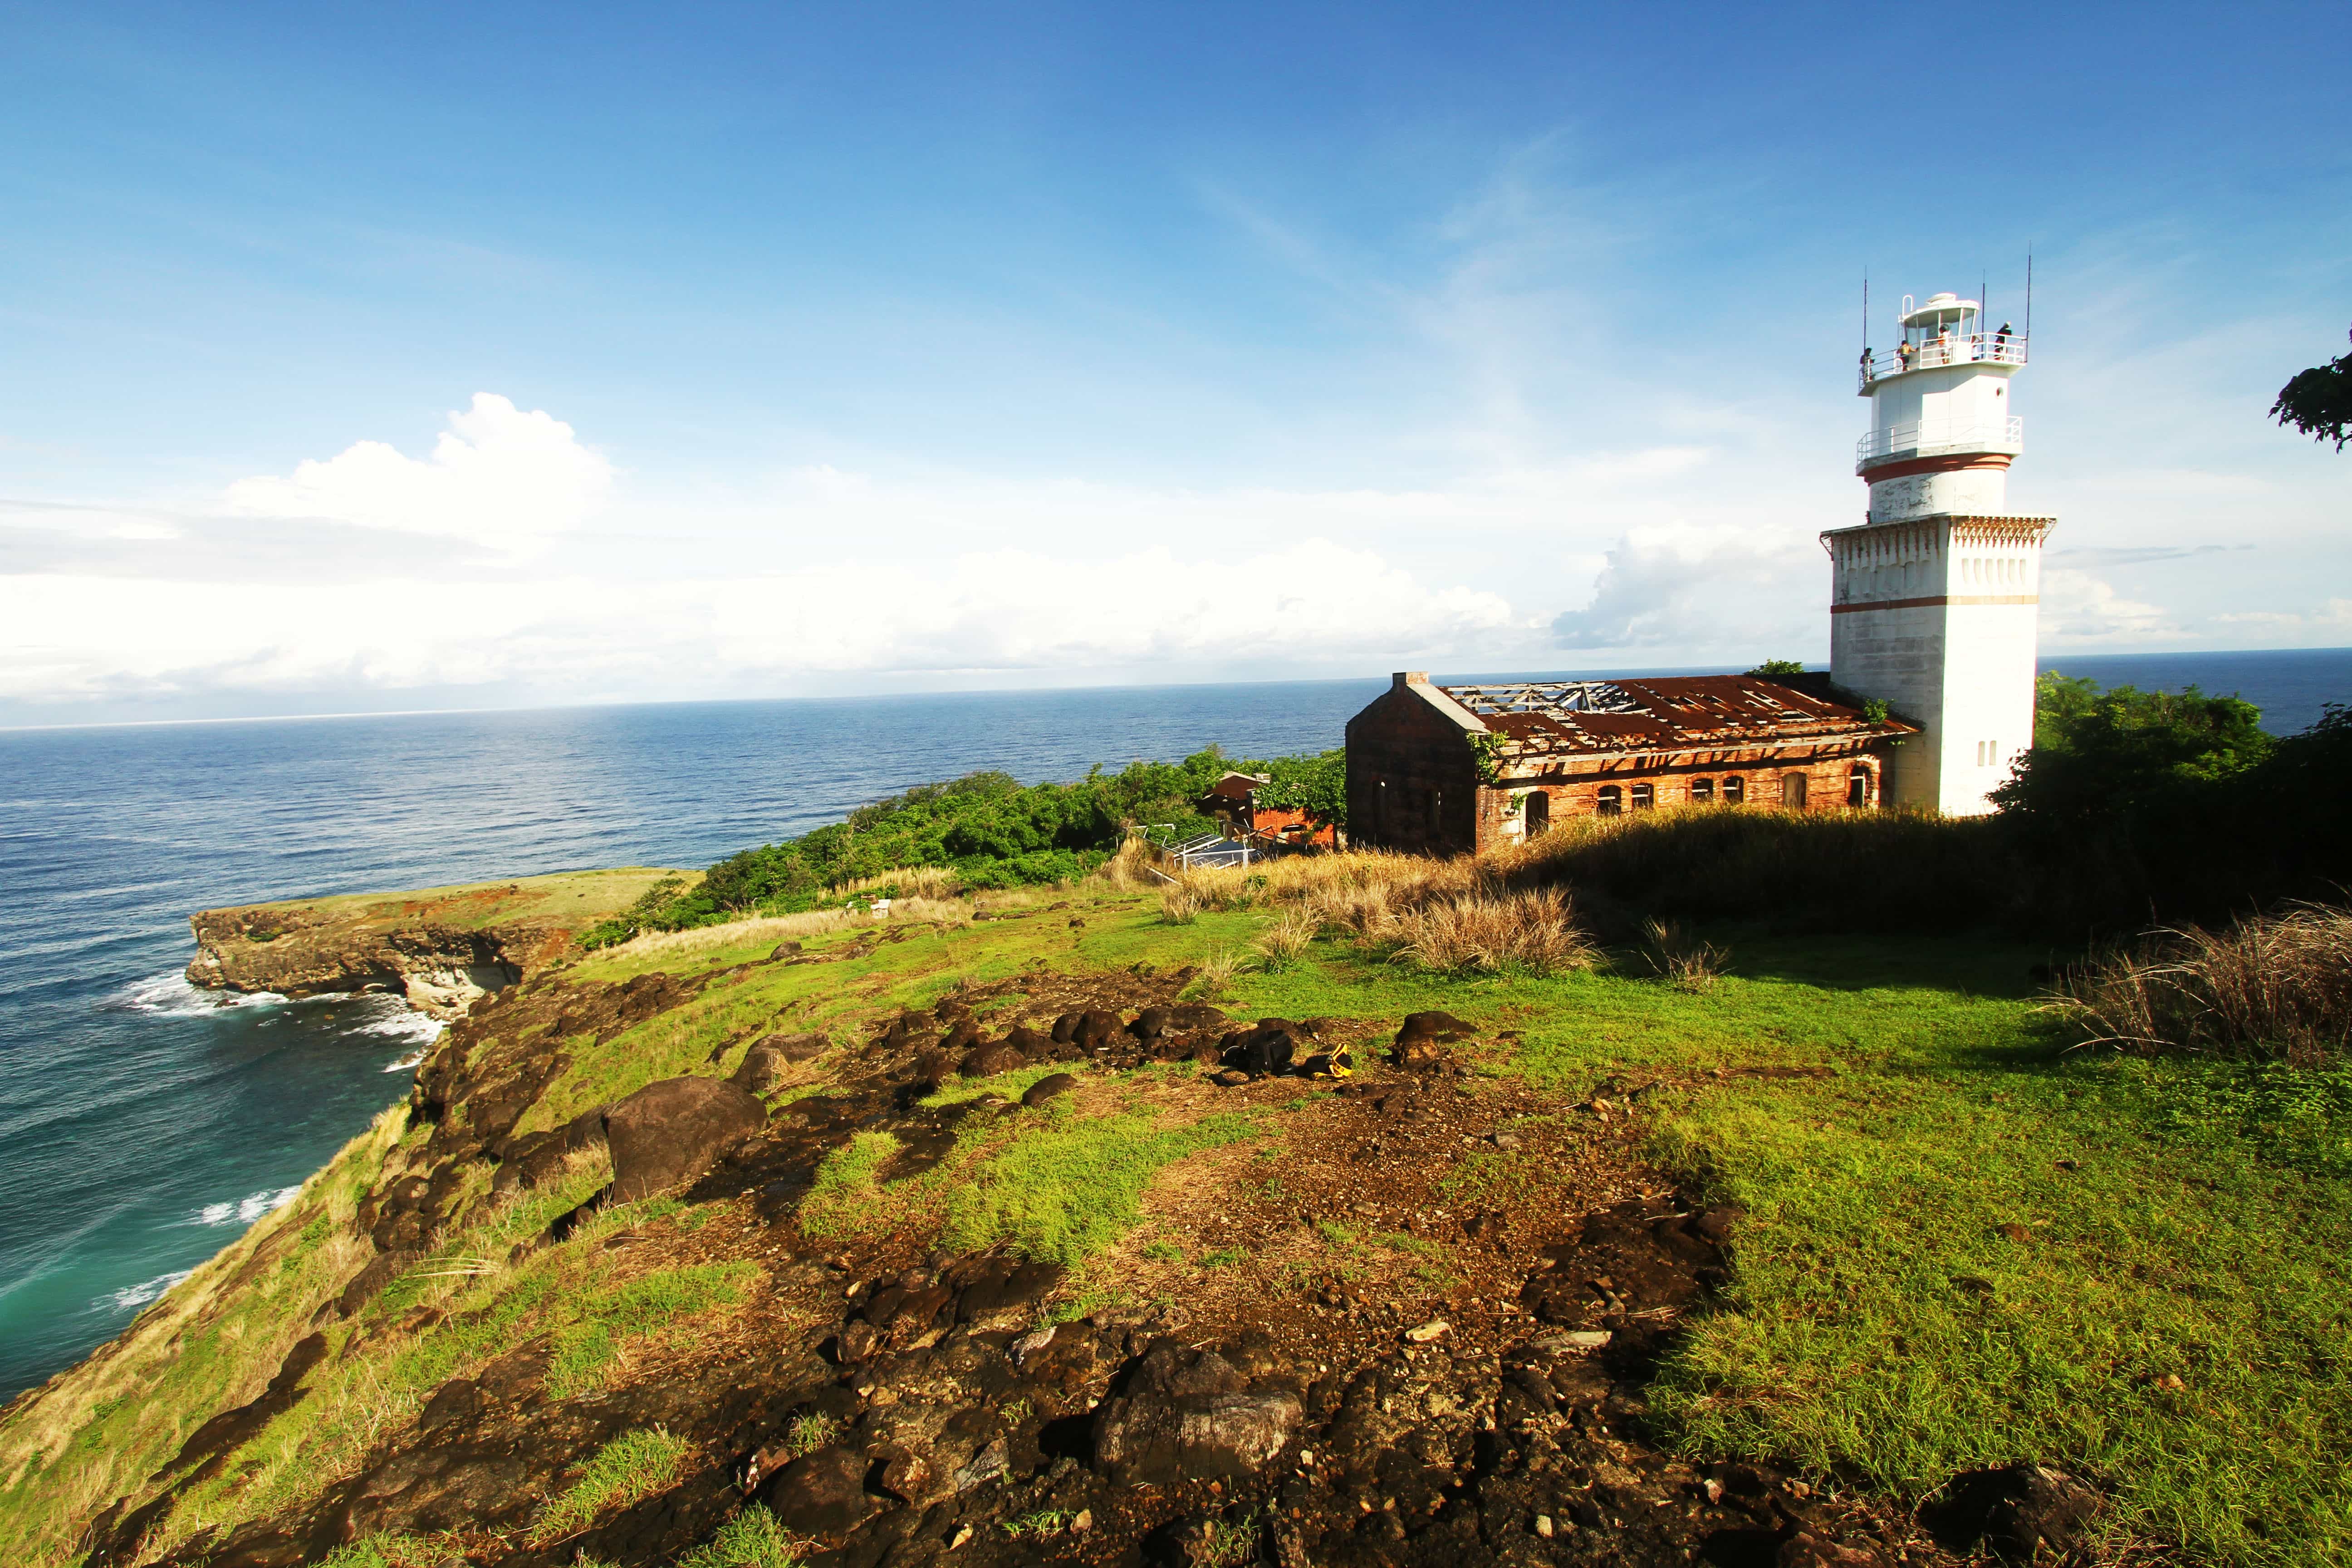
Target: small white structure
1933,600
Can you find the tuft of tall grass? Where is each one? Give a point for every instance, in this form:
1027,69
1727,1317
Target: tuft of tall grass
1691,964
1283,943
1491,933
1179,906
2270,987
1217,971
752,1539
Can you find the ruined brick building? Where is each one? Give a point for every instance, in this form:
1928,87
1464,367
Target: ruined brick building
1934,605
1452,769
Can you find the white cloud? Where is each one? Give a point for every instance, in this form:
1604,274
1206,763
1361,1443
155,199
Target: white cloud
1313,603
1699,587
497,476
2077,607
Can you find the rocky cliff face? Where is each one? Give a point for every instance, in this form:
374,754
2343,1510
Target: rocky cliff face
442,952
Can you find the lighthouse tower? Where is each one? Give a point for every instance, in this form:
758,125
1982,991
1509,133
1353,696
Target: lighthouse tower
1933,600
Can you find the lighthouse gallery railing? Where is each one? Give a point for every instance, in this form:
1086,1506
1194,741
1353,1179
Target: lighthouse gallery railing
1931,436
1978,348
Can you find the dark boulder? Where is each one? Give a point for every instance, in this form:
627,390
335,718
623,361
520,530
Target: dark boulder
1191,1415
381,1271
962,1036
1268,1049
996,1292
1435,1026
1045,1089
2017,1511
822,1493
771,1059
674,1130
989,1060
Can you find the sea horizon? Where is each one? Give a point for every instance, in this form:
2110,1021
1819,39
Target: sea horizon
2044,663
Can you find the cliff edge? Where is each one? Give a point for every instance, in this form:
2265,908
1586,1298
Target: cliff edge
441,948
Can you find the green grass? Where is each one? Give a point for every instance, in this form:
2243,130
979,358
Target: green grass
566,898
1883,1320
1920,1286
631,1467
585,1351
1065,1192
752,1539
390,1549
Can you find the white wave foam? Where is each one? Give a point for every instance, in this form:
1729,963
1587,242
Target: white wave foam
245,1210
139,1295
170,996
412,1059
402,1023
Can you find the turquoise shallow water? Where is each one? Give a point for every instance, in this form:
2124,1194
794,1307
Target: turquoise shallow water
141,1126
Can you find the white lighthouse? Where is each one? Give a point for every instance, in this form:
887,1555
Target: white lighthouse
1933,600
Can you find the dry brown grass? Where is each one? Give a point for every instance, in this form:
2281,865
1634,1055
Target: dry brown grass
1179,906
2272,987
913,882
1458,916
1131,865
755,932
1491,933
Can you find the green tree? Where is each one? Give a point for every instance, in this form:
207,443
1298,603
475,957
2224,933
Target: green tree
1316,785
1773,669
2318,402
2123,756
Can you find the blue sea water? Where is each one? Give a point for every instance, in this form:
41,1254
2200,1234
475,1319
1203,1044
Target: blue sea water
142,1125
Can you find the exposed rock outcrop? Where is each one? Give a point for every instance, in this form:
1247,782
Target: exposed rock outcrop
295,952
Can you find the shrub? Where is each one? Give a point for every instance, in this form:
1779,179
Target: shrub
2273,987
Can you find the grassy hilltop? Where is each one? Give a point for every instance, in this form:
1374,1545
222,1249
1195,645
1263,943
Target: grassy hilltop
1715,1184
1957,1243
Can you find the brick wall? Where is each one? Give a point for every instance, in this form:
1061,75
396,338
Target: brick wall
1412,781
1575,790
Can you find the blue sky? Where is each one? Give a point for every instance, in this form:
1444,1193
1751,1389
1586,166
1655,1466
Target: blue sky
432,356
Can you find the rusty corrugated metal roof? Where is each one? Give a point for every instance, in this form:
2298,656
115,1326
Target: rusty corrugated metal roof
1663,712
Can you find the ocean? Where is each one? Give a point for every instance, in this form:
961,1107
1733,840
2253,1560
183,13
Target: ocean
144,1124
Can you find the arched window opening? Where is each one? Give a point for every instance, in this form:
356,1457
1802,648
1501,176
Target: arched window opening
1537,808
1857,788
1702,790
1735,791
1609,802
1792,790
1645,797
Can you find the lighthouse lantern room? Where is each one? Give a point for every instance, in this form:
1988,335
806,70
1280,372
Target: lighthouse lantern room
1934,598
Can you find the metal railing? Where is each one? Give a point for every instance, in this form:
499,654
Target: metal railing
1929,437
1977,348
